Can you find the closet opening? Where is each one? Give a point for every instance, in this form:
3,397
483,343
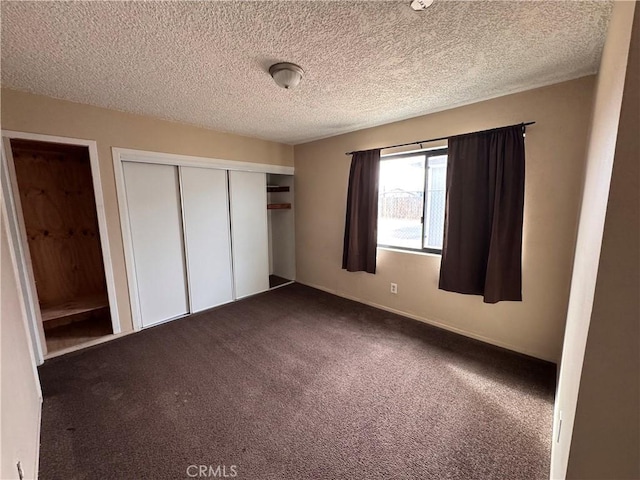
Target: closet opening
282,261
58,205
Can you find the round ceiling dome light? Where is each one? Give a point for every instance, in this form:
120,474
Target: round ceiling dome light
418,5
287,75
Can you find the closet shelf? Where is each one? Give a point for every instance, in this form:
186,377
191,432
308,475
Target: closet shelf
277,188
278,206
73,307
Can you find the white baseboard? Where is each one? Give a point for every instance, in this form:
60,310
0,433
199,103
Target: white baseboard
36,467
435,323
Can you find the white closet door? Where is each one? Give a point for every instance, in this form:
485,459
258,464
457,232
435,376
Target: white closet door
205,205
249,234
153,203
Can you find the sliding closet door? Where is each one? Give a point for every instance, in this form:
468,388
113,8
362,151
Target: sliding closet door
205,205
153,201
248,191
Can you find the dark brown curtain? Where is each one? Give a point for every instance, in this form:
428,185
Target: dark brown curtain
361,224
482,251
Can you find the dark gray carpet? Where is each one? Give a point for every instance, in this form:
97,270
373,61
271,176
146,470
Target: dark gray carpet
296,384
275,281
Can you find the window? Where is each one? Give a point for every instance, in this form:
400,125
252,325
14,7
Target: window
412,199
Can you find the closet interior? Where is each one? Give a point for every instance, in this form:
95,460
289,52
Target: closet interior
57,199
282,267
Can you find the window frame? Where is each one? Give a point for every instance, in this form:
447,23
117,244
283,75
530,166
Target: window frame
427,153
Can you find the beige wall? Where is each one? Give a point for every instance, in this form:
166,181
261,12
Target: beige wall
555,149
20,397
606,433
600,158
37,114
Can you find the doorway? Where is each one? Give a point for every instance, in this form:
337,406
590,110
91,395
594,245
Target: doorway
63,241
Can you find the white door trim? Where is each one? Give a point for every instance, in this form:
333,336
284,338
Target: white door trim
142,156
127,241
20,250
25,260
6,215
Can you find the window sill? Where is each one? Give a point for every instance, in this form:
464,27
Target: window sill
411,252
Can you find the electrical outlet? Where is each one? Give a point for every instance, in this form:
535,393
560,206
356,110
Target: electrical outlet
394,288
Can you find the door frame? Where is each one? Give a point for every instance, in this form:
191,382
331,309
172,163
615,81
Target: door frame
18,235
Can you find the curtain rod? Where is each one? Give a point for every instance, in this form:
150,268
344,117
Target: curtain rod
420,142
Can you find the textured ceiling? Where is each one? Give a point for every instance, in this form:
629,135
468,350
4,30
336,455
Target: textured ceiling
205,63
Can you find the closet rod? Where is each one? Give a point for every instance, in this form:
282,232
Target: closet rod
420,142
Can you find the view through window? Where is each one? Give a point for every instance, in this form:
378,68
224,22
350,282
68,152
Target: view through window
411,200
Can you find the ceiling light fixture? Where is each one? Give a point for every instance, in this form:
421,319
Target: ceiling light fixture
418,5
287,75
